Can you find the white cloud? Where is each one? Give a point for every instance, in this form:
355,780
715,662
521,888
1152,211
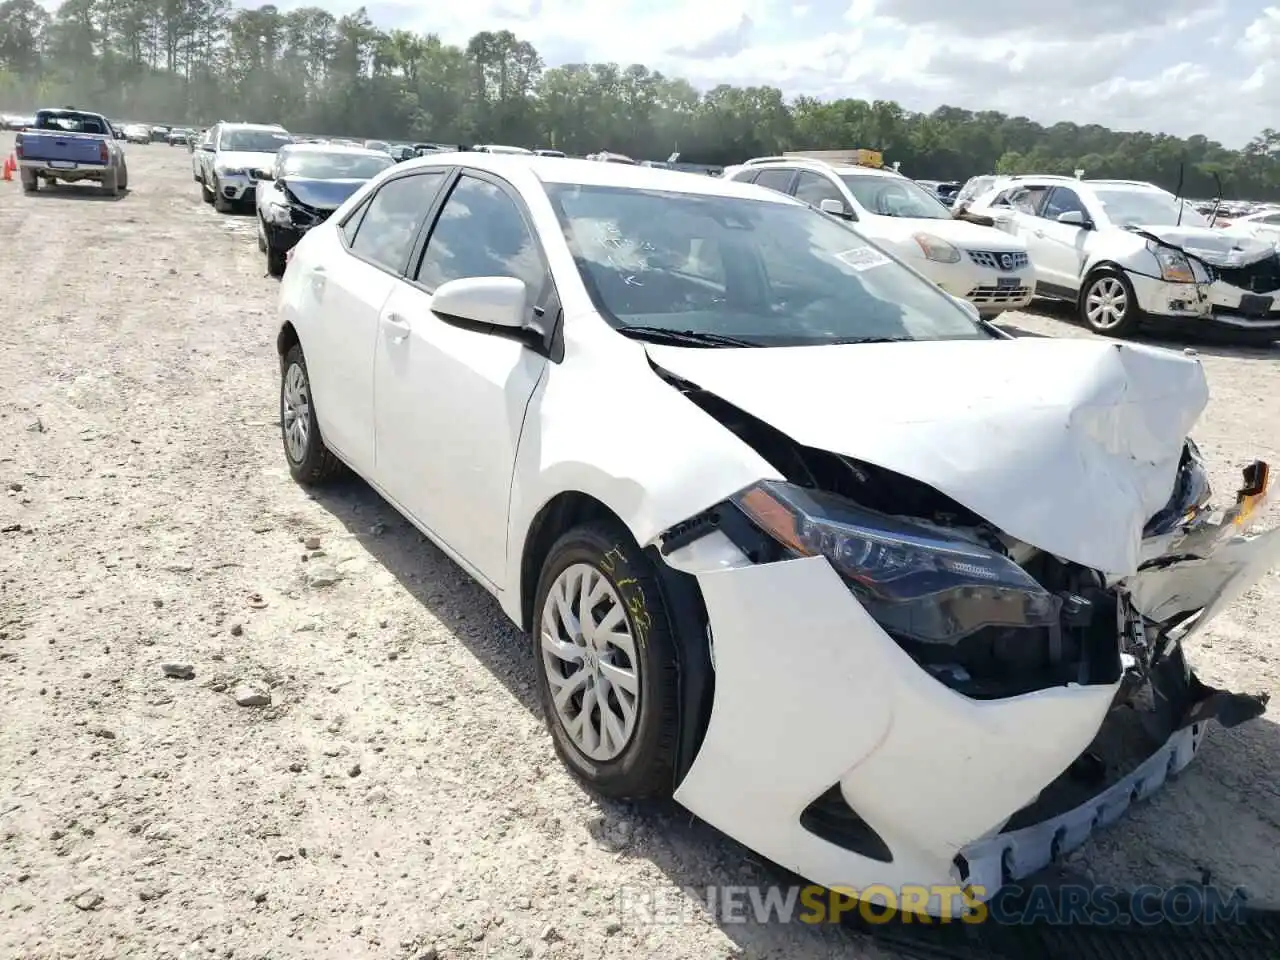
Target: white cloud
1181,66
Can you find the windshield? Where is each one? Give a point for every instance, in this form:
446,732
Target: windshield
895,197
769,273
253,141
319,165
1153,208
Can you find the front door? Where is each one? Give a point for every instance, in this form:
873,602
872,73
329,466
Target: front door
450,402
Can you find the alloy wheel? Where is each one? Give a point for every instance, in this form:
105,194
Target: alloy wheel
1107,303
589,653
295,412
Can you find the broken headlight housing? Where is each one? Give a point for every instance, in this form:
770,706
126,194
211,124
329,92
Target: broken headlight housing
1174,265
918,582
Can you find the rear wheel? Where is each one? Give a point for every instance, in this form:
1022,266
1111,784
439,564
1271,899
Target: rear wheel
310,461
111,183
124,178
30,182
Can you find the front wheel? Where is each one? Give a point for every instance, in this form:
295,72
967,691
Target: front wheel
220,203
310,461
605,662
205,193
1108,305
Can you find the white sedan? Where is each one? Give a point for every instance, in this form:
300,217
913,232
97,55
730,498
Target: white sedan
791,540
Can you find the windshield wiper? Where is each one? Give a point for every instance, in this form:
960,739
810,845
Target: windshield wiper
871,340
684,337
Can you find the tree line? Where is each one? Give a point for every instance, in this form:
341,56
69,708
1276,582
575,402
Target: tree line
197,61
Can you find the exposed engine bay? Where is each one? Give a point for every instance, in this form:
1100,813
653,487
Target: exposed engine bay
1082,629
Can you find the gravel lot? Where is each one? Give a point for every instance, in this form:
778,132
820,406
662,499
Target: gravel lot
398,796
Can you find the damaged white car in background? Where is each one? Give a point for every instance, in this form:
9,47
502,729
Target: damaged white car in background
880,592
1129,253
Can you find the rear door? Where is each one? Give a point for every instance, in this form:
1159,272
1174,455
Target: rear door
346,282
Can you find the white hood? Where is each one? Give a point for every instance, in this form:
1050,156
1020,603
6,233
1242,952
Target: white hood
962,233
1216,247
238,160
1068,445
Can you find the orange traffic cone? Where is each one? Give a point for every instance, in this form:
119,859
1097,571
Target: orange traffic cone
10,164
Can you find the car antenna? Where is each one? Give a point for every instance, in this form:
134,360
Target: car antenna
1217,203
1182,169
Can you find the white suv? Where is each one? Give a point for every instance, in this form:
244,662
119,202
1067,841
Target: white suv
975,263
1126,252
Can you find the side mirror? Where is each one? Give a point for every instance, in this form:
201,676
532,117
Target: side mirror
207,147
836,208
1075,218
491,301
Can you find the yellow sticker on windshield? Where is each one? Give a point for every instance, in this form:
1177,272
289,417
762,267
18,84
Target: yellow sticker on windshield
863,258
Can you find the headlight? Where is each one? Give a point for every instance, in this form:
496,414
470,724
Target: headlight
937,249
1174,265
1191,494
916,582
230,171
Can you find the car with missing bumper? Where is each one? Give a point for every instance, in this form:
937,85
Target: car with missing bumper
1128,253
232,158
988,268
307,183
72,146
876,643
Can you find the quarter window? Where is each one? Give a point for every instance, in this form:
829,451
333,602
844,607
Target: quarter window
481,233
775,179
390,225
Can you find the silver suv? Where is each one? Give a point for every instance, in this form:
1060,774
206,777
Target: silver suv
233,157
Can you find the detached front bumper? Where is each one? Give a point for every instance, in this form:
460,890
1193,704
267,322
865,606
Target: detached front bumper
1217,304
834,754
812,694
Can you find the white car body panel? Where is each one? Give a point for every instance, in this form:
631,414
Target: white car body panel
1064,255
1097,430
1069,446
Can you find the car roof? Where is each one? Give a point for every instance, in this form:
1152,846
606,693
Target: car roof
236,125
571,170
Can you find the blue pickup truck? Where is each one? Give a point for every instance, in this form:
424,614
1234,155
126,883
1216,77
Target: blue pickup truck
71,145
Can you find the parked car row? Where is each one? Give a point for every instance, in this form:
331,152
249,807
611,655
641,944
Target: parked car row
620,398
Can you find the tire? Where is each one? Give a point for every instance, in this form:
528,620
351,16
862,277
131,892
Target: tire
645,766
1110,294
124,178
30,182
220,203
111,183
262,237
205,193
275,261
311,463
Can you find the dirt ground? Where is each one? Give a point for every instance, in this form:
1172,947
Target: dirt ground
398,797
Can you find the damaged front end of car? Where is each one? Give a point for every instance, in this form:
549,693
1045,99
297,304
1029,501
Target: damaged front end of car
1231,280
1020,701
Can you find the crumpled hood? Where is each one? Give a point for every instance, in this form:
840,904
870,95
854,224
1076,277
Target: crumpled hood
321,194
1068,445
962,233
1215,247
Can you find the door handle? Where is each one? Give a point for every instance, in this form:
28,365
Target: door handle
398,325
1038,233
